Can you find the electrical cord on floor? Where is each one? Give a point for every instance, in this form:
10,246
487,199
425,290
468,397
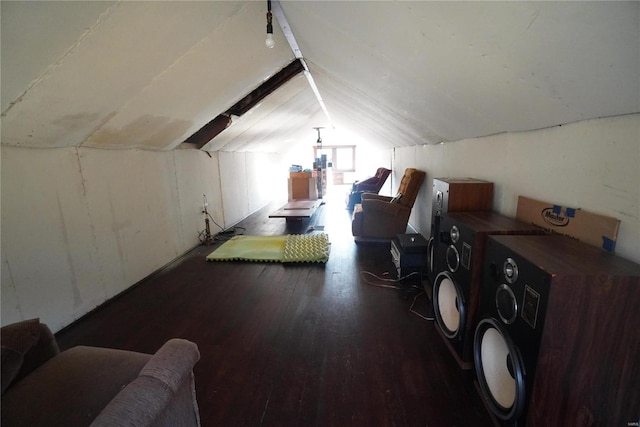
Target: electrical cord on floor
228,234
214,221
222,235
429,318
383,279
364,274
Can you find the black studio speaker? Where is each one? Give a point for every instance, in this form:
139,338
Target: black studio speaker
455,195
557,343
458,274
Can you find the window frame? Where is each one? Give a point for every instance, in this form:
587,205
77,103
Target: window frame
334,156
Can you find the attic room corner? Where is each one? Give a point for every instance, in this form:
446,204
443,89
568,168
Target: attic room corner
78,222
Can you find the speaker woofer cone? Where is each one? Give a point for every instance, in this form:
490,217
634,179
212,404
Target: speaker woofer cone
499,370
453,258
431,255
449,305
506,304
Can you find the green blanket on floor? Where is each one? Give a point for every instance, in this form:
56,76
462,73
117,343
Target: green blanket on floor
289,248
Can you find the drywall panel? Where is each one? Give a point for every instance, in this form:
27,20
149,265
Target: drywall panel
266,185
82,225
249,181
234,185
51,265
133,200
429,159
591,165
197,176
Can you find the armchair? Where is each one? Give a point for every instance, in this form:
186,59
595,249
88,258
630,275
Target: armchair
90,386
373,184
381,217
369,185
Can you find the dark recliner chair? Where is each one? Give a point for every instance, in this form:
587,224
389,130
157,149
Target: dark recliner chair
369,185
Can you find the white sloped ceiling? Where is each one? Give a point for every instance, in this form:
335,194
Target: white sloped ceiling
149,74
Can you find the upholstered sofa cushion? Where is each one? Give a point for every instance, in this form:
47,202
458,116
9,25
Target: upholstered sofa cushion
70,389
97,387
25,346
11,363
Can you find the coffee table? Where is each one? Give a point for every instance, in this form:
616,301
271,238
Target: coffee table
297,210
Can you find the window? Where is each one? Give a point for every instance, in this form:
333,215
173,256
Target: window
343,157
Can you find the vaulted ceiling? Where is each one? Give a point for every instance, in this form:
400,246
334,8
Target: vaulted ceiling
150,74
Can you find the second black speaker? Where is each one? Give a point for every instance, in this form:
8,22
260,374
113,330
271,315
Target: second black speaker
458,265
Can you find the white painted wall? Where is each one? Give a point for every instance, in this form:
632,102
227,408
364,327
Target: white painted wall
79,226
593,165
249,181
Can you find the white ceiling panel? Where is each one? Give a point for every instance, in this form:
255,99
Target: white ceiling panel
465,69
28,51
149,74
198,85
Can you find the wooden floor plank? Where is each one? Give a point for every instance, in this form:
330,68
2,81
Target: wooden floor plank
294,345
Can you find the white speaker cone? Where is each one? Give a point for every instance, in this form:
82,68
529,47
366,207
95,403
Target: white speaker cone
448,304
494,355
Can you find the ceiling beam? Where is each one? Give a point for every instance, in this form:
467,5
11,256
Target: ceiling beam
212,129
293,44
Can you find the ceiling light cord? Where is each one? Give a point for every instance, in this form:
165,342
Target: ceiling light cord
319,140
269,41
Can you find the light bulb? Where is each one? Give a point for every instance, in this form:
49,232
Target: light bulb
269,41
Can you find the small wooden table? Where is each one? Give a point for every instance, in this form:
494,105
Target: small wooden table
297,210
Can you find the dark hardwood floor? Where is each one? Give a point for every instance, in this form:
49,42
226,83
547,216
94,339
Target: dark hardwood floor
295,345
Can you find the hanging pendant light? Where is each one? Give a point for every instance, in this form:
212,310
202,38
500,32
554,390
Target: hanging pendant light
269,41
319,140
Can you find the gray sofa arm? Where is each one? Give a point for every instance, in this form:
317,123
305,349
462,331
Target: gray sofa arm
163,394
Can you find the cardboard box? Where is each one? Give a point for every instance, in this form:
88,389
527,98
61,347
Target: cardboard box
303,189
299,175
594,229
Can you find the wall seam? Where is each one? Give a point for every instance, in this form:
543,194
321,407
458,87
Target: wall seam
92,227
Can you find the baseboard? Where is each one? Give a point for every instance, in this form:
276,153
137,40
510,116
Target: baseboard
130,288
